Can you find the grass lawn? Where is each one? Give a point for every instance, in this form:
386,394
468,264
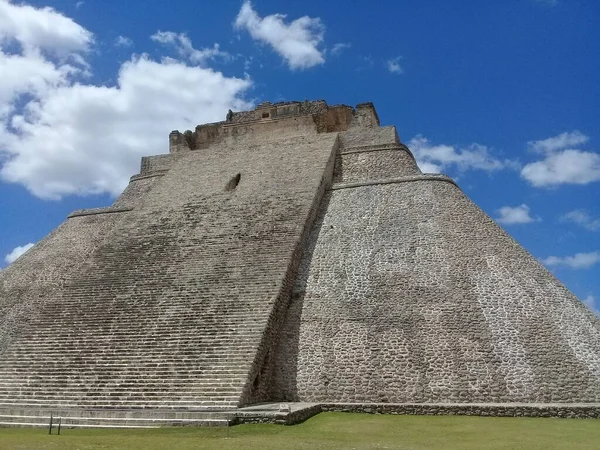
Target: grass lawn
331,431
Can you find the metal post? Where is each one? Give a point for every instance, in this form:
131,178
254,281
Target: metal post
50,427
59,423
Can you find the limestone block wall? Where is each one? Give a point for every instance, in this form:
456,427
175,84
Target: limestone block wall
408,292
136,190
361,137
156,163
377,163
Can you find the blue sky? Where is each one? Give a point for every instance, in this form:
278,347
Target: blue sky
501,95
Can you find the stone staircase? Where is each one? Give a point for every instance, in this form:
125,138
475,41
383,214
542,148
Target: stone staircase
89,365
111,345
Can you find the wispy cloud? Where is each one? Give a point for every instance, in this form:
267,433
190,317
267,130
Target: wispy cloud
340,47
16,252
562,163
577,261
123,41
297,42
365,63
435,158
183,46
511,215
582,218
564,140
393,65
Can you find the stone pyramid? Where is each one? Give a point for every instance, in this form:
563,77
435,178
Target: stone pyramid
291,253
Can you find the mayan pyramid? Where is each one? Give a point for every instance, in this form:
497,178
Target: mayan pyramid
292,253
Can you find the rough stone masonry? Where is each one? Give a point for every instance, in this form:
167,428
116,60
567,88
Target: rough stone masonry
290,253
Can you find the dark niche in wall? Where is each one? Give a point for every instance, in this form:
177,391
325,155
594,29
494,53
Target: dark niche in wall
233,183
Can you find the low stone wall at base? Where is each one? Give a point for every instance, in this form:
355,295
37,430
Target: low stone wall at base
567,410
293,417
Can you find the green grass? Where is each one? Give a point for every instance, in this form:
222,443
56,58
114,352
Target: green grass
331,431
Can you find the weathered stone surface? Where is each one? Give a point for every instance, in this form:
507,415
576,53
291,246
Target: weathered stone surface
408,292
292,253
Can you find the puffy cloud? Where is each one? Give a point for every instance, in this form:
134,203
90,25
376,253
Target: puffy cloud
42,28
581,217
184,48
85,139
509,215
76,138
18,251
436,158
32,74
393,65
565,167
297,42
562,164
577,261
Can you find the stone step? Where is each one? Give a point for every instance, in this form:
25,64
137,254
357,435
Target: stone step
147,315
142,361
203,335
157,348
127,358
10,424
141,371
91,390
82,422
165,395
106,372
208,383
209,349
116,381
224,327
119,404
104,388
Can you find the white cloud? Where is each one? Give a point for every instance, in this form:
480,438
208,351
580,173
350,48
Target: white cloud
184,48
297,42
577,261
31,74
77,138
18,251
393,65
340,47
590,302
436,158
562,164
562,141
581,217
509,215
123,41
41,29
565,167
